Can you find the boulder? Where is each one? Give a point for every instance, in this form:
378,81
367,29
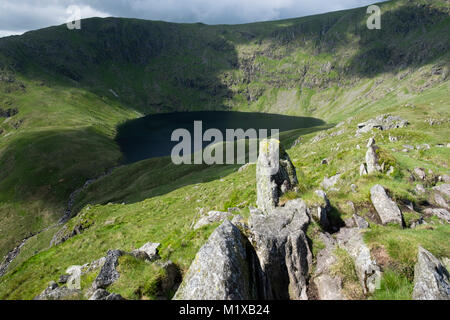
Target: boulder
55,292
281,244
387,209
148,251
328,183
382,122
329,285
211,217
420,189
323,210
441,213
274,170
441,195
431,278
445,178
225,268
362,169
360,222
368,271
420,173
102,294
108,273
372,160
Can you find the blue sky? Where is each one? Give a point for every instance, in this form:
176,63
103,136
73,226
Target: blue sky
18,16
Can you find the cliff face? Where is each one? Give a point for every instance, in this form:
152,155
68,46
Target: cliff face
294,64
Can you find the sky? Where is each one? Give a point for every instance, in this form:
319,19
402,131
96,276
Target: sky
18,16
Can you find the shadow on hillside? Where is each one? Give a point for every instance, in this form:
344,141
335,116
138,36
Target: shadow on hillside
158,176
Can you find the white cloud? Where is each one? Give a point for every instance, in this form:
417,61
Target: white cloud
5,33
33,14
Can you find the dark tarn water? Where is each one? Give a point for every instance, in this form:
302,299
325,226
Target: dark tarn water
150,136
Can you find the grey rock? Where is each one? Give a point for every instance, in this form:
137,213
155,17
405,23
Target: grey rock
441,196
371,142
417,222
420,189
54,292
368,271
94,265
211,217
274,169
102,294
444,189
387,209
420,172
362,170
441,213
254,210
323,210
360,222
320,136
431,278
281,244
108,273
392,138
63,278
350,222
225,268
445,178
329,285
327,183
382,122
372,160
353,187
149,251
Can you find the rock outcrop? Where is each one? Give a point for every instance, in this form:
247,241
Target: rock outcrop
102,294
369,273
108,273
372,160
55,292
275,174
382,122
441,213
328,285
387,209
282,249
211,217
328,183
148,252
225,268
322,210
431,278
441,196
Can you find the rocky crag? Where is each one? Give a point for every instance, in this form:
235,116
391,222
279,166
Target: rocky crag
270,256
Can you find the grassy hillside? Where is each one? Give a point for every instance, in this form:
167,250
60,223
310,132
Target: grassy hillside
328,66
